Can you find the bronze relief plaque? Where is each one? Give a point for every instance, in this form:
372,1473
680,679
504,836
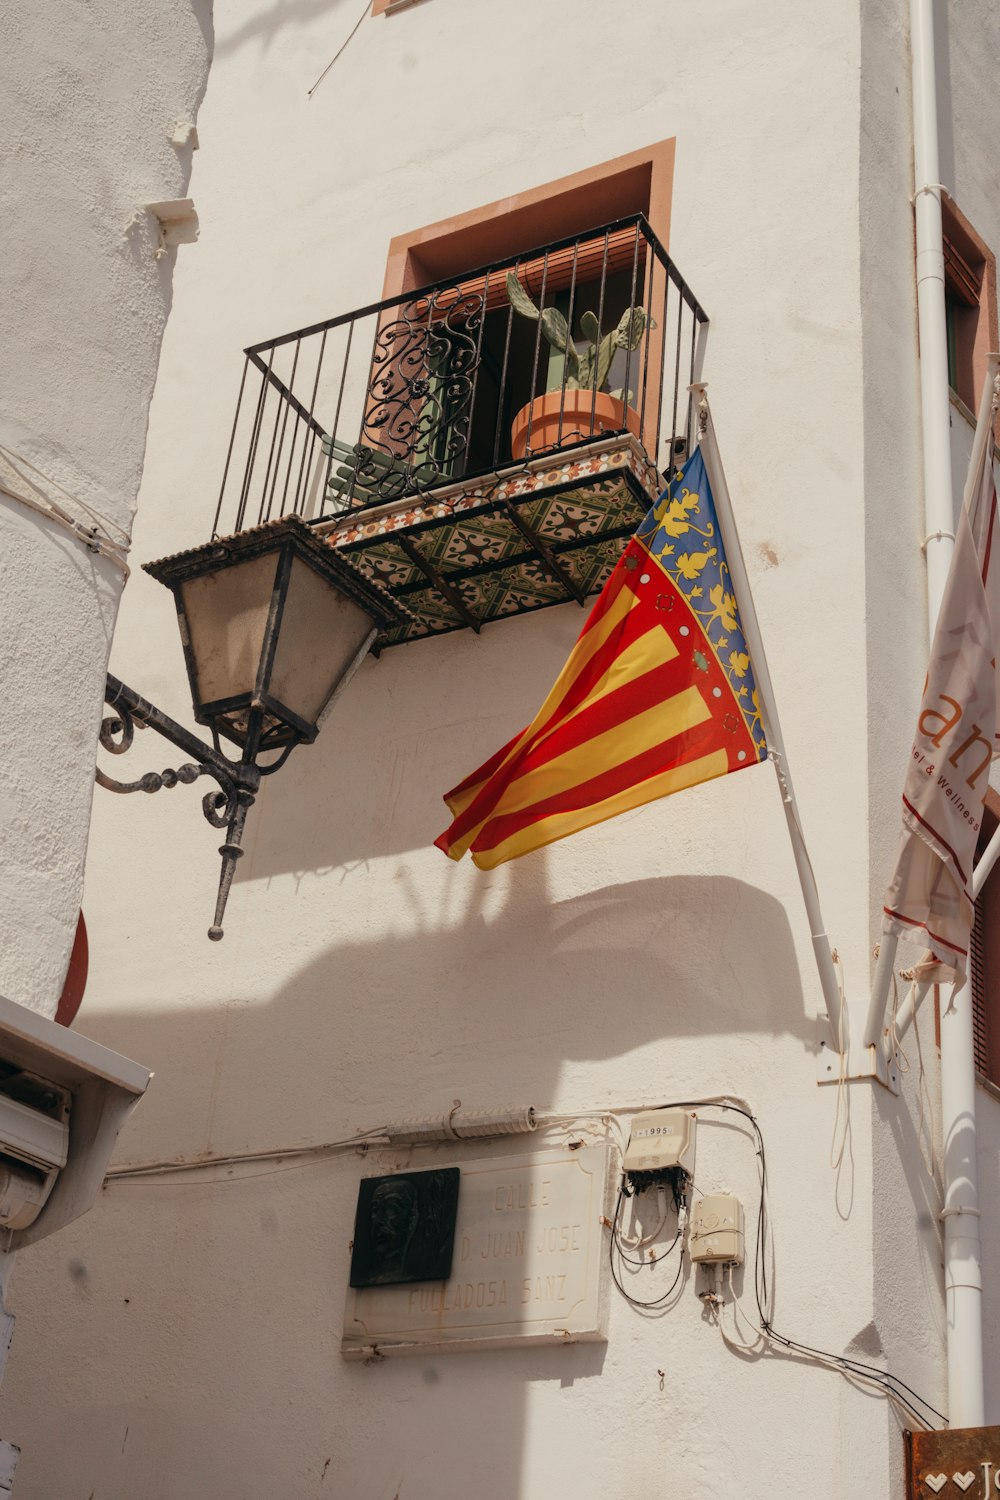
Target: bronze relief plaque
404,1228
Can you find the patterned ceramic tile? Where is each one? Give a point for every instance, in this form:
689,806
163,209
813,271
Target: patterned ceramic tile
469,535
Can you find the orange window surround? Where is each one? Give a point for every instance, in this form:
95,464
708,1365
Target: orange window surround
971,289
640,182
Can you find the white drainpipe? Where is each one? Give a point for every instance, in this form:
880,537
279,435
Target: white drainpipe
962,1268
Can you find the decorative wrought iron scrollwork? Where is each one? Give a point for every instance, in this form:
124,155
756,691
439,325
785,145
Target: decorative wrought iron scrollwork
118,731
225,808
219,807
420,393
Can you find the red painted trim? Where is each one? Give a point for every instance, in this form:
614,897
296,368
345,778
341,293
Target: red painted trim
934,834
76,977
912,922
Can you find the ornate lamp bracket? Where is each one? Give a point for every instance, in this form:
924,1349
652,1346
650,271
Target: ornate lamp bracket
226,807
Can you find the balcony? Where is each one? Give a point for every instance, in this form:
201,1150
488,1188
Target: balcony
465,453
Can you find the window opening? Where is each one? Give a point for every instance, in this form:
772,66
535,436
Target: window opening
970,302
984,961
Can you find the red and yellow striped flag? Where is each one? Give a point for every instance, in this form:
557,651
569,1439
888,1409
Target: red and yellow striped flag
657,695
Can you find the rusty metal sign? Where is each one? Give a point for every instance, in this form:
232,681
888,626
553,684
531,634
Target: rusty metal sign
961,1464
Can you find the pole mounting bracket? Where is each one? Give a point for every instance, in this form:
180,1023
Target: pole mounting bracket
861,1063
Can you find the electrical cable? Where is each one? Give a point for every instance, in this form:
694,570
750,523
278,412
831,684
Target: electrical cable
96,536
925,1112
293,1155
843,1102
301,1156
637,1302
653,1235
364,1139
736,1342
890,1384
343,48
760,1344
631,1260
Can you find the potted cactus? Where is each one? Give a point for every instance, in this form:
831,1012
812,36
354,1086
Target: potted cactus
579,406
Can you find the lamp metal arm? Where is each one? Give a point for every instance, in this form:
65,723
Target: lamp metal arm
239,781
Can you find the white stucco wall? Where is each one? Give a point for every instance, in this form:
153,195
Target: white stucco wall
89,97
196,1325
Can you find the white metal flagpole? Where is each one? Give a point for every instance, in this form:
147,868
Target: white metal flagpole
835,1005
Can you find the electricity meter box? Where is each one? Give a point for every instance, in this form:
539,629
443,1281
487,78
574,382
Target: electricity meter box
717,1231
661,1149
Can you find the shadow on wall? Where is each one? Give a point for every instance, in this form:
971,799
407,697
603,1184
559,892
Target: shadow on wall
411,725
249,1277
490,1010
263,28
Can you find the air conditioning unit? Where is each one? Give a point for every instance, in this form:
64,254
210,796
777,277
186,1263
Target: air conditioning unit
63,1099
34,1143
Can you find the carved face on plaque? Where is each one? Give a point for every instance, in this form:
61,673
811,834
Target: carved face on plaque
404,1229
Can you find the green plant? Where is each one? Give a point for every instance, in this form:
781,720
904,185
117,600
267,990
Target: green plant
587,370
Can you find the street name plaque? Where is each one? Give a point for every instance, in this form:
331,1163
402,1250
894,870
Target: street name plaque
529,1265
961,1462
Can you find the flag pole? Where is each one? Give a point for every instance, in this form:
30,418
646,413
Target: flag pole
836,1007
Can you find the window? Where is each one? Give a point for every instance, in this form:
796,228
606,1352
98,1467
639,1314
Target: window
970,303
984,965
513,364
639,183
392,427
590,277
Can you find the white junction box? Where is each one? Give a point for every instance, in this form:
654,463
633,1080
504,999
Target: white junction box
662,1141
717,1230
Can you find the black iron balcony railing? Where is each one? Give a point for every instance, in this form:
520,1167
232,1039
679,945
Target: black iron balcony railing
449,383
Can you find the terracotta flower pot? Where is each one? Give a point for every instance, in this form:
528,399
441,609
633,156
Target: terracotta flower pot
581,414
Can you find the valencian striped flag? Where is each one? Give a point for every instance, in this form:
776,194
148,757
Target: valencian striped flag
657,695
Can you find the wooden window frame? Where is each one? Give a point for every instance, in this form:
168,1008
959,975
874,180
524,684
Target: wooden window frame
970,272
984,965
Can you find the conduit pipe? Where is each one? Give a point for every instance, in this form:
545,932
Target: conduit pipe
962,1270
935,411
963,1280
471,1125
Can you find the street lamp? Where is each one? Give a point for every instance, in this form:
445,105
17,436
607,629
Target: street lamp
273,624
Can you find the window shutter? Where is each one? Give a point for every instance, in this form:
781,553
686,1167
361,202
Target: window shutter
977,984
964,279
625,248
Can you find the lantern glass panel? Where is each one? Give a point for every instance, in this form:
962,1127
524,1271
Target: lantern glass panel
226,614
321,633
